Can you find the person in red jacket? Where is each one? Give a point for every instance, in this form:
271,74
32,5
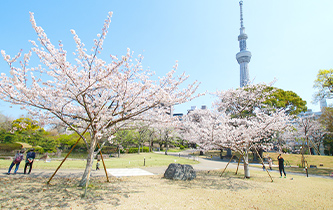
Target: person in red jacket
17,160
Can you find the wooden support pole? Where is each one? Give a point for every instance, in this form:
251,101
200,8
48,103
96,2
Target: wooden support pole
262,161
238,163
106,173
227,165
48,182
315,147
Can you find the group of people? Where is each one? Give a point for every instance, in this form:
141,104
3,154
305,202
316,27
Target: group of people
19,156
281,165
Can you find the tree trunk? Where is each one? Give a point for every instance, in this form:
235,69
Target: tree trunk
255,156
118,151
139,148
246,164
90,160
166,147
229,152
149,145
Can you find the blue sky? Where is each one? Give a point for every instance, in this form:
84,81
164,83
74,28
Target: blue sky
289,40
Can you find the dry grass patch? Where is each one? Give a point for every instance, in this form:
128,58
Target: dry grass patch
208,191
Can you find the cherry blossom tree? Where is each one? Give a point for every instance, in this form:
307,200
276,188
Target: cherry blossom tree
309,131
205,128
87,92
160,123
239,121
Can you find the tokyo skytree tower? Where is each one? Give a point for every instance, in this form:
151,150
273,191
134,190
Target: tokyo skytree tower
244,56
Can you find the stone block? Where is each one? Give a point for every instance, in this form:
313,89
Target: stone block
178,171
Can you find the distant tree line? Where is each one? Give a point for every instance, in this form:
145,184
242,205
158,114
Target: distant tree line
26,130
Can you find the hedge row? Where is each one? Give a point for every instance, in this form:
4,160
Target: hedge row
135,149
10,147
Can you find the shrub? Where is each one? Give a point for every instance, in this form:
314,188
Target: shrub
10,147
133,150
285,150
181,147
39,150
109,149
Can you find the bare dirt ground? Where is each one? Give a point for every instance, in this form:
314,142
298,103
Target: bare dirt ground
207,191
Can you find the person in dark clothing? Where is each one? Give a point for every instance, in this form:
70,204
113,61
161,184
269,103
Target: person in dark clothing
29,160
97,165
281,166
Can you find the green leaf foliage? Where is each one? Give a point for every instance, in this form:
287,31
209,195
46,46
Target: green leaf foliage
323,84
287,100
25,124
326,119
66,141
7,137
328,144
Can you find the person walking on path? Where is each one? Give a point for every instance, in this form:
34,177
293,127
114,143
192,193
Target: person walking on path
29,160
17,160
281,166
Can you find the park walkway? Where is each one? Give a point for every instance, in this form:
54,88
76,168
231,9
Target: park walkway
205,164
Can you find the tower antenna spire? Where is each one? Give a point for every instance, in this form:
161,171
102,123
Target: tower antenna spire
241,13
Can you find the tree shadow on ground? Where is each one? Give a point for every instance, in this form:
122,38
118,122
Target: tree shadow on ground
213,180
30,193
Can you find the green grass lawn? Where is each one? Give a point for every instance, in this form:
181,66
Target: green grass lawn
174,150
292,159
295,159
125,161
311,171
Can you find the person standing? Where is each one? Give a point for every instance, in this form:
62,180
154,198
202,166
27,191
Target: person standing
270,162
281,166
17,160
97,165
29,160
